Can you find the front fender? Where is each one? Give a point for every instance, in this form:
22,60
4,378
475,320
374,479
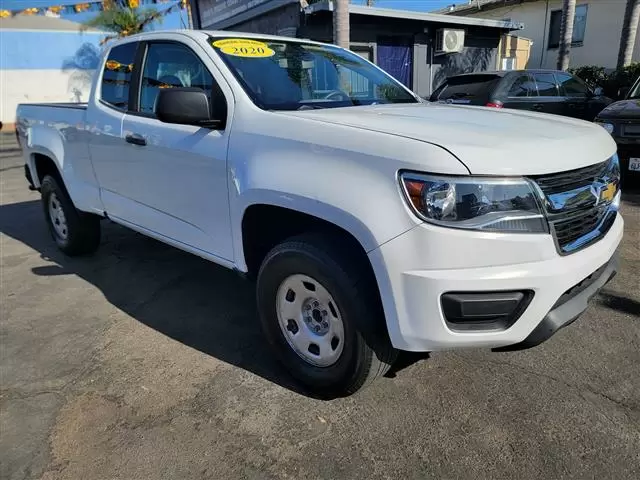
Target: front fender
344,189
309,206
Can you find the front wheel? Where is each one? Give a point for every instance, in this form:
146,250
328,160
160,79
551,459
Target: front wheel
322,315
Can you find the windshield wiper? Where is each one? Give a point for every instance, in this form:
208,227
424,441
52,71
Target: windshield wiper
311,106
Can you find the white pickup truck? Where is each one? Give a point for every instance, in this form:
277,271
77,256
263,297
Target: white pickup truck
373,222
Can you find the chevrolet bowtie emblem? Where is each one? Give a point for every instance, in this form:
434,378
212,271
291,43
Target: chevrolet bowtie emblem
608,193
602,192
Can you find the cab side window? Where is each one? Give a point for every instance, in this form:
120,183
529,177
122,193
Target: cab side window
171,65
116,75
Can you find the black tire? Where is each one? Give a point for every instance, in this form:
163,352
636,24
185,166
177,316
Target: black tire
82,229
367,352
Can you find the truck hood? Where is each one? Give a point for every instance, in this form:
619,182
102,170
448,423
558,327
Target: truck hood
487,141
624,109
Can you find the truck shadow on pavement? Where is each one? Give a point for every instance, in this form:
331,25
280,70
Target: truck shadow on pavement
191,300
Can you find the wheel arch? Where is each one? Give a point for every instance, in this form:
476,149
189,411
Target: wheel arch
269,222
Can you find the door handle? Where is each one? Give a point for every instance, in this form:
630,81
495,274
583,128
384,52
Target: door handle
136,139
538,106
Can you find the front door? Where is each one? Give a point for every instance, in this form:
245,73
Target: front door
577,97
172,179
549,99
395,56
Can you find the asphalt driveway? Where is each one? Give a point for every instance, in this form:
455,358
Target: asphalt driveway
143,362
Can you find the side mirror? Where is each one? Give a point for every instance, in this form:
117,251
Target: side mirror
598,92
185,106
623,92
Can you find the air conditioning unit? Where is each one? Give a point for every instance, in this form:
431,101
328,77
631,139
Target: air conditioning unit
449,41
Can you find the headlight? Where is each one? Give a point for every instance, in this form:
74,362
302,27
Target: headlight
475,203
609,127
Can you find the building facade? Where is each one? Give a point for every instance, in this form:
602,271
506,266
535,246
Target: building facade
596,29
401,42
44,59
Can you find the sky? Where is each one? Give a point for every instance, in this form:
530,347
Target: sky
175,20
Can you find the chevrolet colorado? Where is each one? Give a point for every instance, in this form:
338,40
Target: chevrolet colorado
372,221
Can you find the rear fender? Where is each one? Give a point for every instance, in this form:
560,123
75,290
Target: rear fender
43,140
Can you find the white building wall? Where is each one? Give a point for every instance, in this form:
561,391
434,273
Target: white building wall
35,86
602,34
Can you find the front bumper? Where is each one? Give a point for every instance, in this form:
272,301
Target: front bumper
569,307
415,269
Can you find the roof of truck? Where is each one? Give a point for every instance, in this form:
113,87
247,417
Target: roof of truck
200,34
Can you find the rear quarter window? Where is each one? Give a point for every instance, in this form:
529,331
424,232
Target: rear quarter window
522,86
116,75
467,88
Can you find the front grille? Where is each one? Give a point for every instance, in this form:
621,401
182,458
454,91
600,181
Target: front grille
578,212
631,130
570,180
583,229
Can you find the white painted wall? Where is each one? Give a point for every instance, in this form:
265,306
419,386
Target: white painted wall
602,34
34,86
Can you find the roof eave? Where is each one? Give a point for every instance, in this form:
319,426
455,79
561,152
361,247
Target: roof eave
470,8
420,16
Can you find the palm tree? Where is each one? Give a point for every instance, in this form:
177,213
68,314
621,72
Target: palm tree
123,17
341,23
566,33
629,32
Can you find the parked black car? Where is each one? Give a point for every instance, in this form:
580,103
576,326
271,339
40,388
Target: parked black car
622,120
545,91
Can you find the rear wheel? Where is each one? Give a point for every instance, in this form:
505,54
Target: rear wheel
321,313
74,232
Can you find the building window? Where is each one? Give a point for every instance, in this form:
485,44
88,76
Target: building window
579,27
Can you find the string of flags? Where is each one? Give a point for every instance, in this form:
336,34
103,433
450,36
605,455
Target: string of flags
81,7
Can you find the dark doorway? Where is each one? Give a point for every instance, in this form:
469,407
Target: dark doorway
395,56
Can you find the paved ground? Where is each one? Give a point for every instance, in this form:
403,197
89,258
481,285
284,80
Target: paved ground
143,362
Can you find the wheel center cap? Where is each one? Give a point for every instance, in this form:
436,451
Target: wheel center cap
315,316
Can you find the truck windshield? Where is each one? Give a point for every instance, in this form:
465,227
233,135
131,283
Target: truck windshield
283,75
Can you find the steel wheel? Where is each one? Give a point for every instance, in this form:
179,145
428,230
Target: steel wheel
310,320
57,216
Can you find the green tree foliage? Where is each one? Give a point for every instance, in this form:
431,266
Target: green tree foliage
610,81
123,18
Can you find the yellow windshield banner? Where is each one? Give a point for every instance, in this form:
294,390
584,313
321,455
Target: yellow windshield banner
244,47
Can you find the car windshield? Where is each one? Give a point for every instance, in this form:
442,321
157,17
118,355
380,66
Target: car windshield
288,75
635,90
